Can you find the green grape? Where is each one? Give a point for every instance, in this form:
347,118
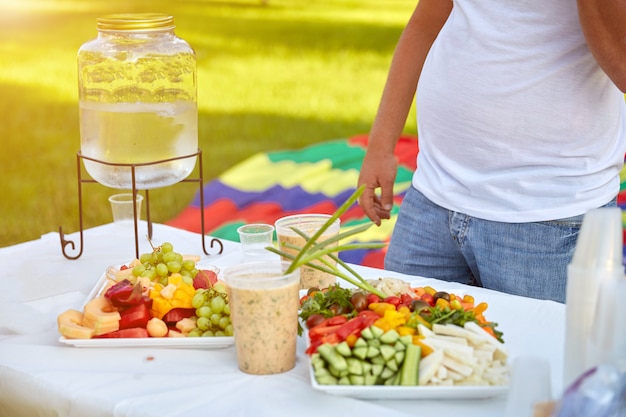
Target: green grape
167,247
145,257
162,270
217,304
203,323
178,257
194,272
188,280
157,257
228,331
195,333
150,273
173,266
189,264
198,299
164,281
204,311
226,309
220,287
220,333
169,257
138,270
224,321
186,273
208,333
215,318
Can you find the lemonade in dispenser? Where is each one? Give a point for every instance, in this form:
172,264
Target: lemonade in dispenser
138,102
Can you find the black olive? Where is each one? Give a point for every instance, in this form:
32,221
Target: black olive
418,305
312,290
441,294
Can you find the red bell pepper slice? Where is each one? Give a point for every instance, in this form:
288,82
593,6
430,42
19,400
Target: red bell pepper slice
335,320
350,327
319,331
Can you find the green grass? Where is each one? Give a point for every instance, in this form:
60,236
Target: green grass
279,76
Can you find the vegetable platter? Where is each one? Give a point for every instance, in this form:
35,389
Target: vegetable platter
402,342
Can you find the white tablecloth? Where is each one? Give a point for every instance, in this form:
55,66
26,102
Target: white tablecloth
40,376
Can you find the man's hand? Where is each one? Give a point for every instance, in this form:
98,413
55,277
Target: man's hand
377,172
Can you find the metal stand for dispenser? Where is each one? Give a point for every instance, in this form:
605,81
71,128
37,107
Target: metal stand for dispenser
133,167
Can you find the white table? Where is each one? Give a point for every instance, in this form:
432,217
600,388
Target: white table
40,376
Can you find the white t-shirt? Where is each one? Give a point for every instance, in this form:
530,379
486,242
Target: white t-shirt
516,120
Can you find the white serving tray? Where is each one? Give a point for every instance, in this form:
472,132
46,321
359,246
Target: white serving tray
152,342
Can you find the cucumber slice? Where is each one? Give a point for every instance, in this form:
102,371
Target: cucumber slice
344,349
360,352
387,373
334,359
390,337
344,380
357,380
377,332
372,351
360,342
367,333
327,380
355,366
410,367
387,352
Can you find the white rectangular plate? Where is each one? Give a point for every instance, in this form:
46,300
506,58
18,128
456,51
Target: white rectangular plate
152,342
383,392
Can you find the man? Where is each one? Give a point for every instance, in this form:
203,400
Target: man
522,129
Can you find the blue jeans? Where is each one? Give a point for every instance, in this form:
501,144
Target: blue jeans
527,259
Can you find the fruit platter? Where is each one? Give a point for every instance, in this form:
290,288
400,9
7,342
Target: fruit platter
396,341
162,299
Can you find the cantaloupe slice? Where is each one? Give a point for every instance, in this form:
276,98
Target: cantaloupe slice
70,325
100,310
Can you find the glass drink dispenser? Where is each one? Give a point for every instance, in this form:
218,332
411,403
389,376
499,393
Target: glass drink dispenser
138,102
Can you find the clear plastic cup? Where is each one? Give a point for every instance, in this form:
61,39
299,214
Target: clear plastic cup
530,386
122,207
597,258
255,238
309,224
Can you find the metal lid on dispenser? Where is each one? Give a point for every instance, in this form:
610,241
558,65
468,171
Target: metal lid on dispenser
135,22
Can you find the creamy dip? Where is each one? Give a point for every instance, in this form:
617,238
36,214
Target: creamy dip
265,323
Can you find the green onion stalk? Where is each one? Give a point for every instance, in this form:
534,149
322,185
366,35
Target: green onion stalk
322,251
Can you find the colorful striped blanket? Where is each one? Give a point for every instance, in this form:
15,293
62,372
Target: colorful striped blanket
315,179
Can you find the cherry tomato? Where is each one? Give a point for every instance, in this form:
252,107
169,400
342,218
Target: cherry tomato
303,299
392,299
428,298
359,301
406,299
372,298
314,319
338,310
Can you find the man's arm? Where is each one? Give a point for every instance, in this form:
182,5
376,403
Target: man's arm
604,25
379,165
